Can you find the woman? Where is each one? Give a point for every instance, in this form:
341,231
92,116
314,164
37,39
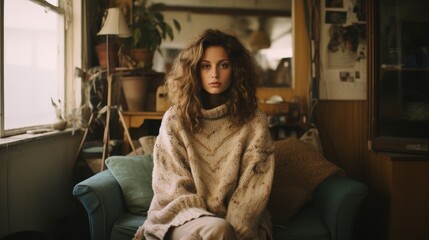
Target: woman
213,157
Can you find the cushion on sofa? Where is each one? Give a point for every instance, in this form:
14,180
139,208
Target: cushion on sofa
134,175
299,169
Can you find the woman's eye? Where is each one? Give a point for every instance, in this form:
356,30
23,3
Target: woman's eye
205,66
224,65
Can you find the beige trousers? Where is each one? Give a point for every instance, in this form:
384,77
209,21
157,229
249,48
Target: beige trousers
203,228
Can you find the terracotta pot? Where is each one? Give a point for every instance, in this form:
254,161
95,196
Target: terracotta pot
135,92
143,57
101,50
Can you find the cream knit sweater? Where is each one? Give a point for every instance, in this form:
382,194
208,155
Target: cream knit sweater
223,171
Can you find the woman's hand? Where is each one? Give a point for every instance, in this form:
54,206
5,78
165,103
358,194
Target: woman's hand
139,235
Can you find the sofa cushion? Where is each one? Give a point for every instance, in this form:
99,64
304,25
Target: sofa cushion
134,175
299,169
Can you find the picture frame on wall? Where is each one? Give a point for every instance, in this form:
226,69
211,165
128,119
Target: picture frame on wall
334,3
335,17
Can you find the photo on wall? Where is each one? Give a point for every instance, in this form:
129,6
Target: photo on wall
334,3
343,51
344,47
360,10
335,17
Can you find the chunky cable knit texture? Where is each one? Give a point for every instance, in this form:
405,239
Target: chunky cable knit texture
223,170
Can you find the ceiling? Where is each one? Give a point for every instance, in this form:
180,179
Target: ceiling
231,7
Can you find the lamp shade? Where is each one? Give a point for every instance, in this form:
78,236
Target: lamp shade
115,24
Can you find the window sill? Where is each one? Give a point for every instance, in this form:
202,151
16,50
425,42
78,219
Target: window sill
29,137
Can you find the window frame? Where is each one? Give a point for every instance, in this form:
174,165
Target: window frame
66,9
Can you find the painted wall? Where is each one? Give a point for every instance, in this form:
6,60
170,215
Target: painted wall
36,176
36,180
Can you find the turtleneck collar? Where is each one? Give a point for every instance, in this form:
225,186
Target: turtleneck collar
216,112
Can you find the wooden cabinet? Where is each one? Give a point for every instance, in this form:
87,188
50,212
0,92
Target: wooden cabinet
399,185
398,74
398,103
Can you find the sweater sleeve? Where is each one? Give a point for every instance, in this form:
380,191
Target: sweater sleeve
175,200
248,202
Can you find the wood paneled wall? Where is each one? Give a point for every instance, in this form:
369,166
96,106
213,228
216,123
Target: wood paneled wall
343,131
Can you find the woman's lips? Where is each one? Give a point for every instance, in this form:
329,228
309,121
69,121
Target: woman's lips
215,84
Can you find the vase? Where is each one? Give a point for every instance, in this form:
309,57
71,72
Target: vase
135,90
101,50
59,124
143,57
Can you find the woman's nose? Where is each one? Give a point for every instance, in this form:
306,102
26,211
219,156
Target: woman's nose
214,72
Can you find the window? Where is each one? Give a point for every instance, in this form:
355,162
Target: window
33,66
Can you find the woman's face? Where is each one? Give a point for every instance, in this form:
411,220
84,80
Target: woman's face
215,70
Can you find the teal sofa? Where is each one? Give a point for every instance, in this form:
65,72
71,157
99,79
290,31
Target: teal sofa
331,214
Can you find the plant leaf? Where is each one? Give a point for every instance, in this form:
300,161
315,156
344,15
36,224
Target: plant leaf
177,25
169,31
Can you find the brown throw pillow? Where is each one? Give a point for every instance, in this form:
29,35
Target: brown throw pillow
299,169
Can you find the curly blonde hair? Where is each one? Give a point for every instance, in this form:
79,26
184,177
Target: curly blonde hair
184,83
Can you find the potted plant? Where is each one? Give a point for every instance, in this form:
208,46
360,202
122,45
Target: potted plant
149,28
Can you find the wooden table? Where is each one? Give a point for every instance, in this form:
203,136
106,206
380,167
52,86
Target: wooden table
135,120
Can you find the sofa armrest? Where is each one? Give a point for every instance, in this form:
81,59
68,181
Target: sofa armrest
101,197
338,199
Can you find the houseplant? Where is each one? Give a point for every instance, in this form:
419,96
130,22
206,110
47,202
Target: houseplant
149,28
